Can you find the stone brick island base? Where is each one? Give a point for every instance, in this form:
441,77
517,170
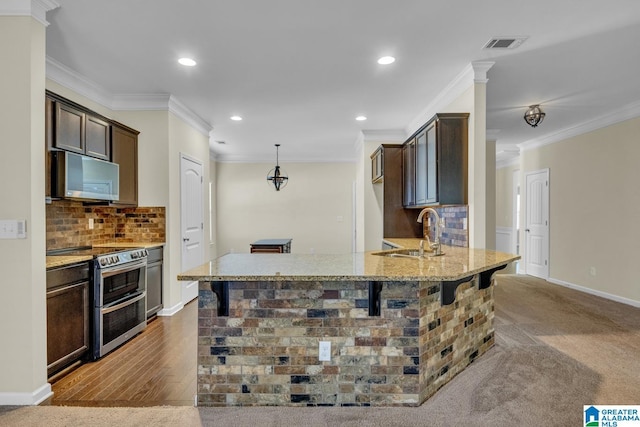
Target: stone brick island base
266,351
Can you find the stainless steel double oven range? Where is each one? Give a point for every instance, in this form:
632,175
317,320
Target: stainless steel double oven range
119,300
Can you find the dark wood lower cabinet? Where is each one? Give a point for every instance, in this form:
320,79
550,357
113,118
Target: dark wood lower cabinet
68,314
154,281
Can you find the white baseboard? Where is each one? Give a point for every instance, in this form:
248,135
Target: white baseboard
601,294
26,399
170,311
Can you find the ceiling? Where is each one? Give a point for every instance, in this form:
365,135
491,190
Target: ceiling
300,71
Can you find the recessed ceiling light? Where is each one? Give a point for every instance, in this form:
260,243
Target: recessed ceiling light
236,118
386,60
187,62
361,118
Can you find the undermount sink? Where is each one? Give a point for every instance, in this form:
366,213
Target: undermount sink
404,253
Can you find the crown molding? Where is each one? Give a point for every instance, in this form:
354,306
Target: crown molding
75,81
36,8
475,72
140,102
506,163
628,112
234,158
480,69
358,144
78,83
198,123
384,135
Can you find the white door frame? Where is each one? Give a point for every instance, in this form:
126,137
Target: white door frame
541,270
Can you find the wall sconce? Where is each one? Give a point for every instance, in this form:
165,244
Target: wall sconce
277,176
534,115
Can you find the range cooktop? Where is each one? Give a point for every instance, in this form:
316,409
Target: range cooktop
105,257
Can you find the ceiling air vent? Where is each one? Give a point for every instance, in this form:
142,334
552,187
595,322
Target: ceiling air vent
504,42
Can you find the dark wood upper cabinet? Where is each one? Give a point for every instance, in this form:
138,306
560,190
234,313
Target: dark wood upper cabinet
439,166
409,172
97,138
377,166
396,221
69,128
75,129
124,152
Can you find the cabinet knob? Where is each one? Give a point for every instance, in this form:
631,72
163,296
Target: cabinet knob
186,239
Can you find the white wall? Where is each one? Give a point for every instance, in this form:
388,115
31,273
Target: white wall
23,358
504,195
594,208
306,210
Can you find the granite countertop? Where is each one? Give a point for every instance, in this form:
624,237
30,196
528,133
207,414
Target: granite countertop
61,260
54,261
457,263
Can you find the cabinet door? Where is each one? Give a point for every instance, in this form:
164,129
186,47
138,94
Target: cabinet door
48,143
67,325
377,165
96,138
409,173
154,288
124,152
432,165
421,168
69,130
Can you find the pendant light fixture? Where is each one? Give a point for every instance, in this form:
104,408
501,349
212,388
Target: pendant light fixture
534,115
277,176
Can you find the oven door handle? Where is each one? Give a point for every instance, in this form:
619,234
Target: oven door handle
107,310
106,272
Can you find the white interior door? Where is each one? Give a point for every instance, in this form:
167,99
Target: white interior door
537,224
192,221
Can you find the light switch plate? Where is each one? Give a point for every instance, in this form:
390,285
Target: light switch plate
13,229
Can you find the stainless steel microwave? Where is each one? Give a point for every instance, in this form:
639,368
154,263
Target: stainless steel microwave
74,176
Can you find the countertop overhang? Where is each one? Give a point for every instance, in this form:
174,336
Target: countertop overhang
457,263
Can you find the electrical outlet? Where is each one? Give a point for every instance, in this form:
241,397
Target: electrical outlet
324,353
339,218
592,271
464,223
90,223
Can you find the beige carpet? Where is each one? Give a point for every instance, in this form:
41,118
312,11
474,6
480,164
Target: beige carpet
556,350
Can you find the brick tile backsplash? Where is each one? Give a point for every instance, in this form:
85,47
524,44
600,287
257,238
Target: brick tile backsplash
454,233
68,224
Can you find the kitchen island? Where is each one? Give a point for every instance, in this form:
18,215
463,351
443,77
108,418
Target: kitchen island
393,330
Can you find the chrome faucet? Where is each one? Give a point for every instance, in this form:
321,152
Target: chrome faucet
436,245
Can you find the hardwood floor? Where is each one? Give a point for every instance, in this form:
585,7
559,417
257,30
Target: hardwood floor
158,367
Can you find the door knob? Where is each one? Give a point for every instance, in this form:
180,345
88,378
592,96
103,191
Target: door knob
527,230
